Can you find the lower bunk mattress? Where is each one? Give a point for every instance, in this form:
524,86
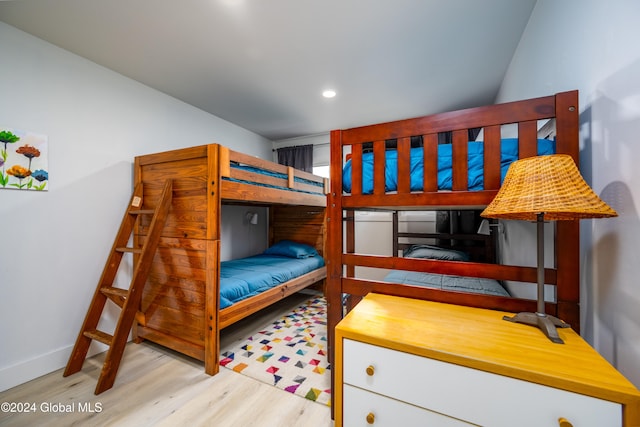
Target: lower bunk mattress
448,283
246,277
442,281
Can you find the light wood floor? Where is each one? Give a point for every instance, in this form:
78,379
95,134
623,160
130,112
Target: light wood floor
158,387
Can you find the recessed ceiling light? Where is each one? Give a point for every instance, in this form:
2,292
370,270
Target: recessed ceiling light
329,93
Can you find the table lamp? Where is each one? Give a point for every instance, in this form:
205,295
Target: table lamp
545,188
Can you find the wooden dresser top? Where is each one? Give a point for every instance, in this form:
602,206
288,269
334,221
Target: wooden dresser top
480,339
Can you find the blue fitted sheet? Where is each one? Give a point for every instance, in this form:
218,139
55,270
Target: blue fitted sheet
449,283
246,277
509,153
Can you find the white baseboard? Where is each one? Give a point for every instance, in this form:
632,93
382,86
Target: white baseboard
28,370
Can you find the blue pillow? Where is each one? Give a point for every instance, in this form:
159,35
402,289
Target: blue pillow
291,249
434,252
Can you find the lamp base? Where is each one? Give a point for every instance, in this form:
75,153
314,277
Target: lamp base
545,322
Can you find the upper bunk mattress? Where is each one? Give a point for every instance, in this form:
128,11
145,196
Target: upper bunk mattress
509,154
313,186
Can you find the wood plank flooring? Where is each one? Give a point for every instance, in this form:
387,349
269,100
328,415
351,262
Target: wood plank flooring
158,387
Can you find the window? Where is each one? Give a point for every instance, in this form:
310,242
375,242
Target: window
322,171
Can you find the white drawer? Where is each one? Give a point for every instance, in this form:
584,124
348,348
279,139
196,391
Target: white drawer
475,396
388,412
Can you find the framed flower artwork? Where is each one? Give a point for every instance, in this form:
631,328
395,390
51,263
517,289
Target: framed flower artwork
23,160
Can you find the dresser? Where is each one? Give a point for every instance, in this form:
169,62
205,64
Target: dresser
406,362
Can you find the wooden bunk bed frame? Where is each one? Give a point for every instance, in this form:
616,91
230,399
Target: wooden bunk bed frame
181,298
527,114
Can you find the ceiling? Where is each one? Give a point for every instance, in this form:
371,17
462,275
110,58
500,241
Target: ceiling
263,64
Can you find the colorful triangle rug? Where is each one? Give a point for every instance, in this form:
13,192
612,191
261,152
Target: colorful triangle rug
290,354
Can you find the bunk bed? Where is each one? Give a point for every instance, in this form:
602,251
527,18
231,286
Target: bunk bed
438,162
182,307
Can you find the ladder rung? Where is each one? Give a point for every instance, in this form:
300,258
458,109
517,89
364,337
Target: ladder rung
118,292
142,211
117,295
97,335
131,250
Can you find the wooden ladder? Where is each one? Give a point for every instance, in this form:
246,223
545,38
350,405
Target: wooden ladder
127,300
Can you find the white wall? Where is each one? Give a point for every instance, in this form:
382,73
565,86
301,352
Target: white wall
54,244
591,45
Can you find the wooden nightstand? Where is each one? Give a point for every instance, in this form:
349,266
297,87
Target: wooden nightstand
408,362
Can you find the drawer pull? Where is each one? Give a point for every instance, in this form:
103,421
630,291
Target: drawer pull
371,418
562,422
370,370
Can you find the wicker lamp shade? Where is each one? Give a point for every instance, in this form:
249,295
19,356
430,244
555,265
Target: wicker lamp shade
551,185
538,189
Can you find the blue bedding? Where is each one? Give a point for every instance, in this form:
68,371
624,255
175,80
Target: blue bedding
509,150
246,277
449,283
319,186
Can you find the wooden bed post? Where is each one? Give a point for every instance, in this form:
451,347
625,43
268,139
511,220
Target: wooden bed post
334,241
334,249
568,232
212,261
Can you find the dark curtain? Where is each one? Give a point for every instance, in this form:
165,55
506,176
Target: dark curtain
299,157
